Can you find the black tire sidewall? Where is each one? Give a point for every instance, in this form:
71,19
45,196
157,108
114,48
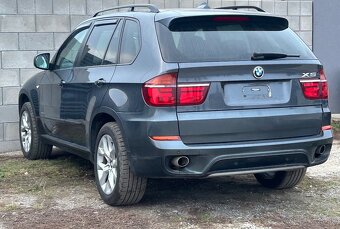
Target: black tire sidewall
115,195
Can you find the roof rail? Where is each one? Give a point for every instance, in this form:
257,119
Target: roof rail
151,7
241,7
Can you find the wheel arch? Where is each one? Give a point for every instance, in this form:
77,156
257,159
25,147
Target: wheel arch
23,98
98,120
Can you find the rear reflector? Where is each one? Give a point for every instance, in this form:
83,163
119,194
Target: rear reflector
327,128
315,88
163,90
165,138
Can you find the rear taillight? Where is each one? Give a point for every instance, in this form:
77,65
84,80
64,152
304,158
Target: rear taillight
315,88
163,90
192,94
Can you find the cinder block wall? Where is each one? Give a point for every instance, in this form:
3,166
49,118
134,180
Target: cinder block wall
29,27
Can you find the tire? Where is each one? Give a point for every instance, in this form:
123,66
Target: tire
281,179
115,181
31,144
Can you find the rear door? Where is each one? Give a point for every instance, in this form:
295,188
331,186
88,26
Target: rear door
82,93
247,99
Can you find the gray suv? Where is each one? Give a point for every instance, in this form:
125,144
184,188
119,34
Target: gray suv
144,93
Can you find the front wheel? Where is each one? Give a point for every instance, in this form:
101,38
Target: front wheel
115,181
31,144
281,179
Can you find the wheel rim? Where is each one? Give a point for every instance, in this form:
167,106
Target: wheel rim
25,131
107,164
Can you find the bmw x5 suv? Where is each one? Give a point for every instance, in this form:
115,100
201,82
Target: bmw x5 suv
194,93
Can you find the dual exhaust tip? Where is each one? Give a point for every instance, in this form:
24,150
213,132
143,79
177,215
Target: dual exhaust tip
180,162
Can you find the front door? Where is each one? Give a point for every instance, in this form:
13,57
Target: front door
52,84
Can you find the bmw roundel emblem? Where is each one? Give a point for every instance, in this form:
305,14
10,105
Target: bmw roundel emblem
258,72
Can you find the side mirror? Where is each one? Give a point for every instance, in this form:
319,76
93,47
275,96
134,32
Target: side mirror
42,61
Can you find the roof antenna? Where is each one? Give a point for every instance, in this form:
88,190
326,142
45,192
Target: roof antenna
204,5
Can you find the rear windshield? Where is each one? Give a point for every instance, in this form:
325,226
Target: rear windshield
227,38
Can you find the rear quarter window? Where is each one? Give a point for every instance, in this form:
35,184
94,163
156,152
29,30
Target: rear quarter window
131,42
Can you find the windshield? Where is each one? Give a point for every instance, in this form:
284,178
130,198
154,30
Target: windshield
228,38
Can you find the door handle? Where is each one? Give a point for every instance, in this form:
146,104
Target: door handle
99,82
61,84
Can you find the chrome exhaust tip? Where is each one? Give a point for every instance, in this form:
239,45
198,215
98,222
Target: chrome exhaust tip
180,162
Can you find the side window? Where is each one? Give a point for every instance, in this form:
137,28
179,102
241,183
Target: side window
131,42
67,56
112,52
96,45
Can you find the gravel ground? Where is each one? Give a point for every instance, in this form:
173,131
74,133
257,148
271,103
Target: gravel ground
61,193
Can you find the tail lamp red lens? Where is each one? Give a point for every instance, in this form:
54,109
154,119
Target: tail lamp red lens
315,88
163,90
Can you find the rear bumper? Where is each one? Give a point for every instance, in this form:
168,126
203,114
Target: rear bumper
153,159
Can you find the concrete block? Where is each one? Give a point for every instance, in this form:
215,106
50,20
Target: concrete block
36,41
26,6
53,23
1,131
123,2
8,41
26,73
139,2
241,2
215,3
281,8
159,3
8,7
61,6
268,6
10,95
307,8
9,113
0,96
17,23
228,3
78,7
43,6
307,37
294,8
171,4
59,39
18,59
8,146
9,77
254,3
76,20
294,22
186,4
93,6
306,23
11,131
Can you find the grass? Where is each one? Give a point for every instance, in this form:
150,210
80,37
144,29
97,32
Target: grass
336,125
20,175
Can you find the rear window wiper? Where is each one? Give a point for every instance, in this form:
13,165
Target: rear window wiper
271,56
